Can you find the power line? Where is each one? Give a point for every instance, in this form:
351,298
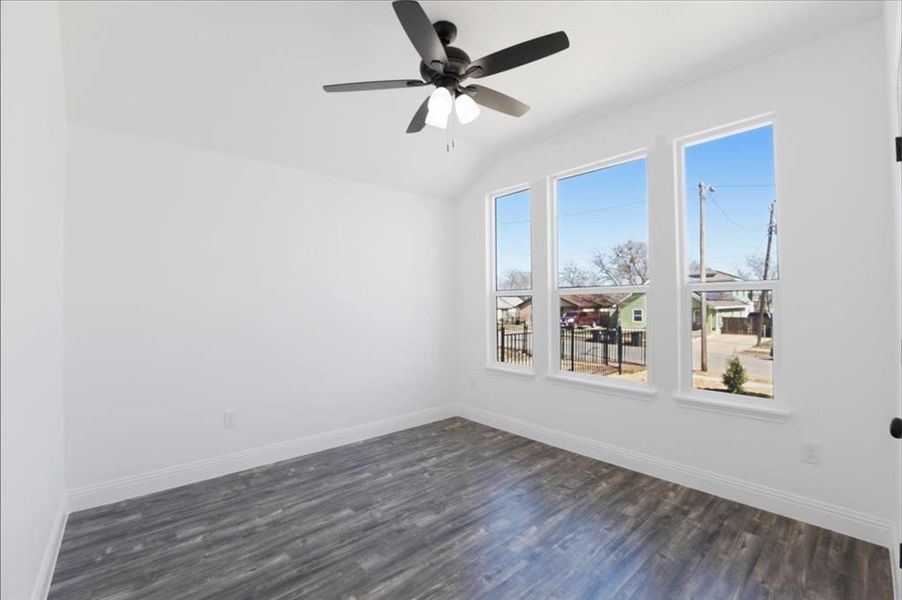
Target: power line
726,216
582,212
607,208
744,185
595,210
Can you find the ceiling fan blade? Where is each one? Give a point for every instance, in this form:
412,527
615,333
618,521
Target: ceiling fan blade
421,33
489,98
419,118
518,55
363,86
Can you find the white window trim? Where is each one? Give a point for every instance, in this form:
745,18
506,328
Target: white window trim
605,385
777,409
492,364
750,409
599,384
521,372
641,318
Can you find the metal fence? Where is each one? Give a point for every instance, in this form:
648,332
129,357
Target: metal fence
513,345
602,351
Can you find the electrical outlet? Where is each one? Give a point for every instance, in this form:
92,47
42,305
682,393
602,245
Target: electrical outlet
811,453
229,419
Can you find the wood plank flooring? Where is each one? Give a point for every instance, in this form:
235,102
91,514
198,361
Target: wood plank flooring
453,509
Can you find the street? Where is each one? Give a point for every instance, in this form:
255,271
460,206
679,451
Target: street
757,363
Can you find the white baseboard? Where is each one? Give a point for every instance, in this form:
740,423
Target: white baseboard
51,550
829,516
162,479
836,518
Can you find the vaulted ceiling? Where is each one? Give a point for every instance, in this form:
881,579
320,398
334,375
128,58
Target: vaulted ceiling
245,78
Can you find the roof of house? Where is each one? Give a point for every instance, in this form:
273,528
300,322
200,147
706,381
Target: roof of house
587,301
713,275
723,300
509,302
725,304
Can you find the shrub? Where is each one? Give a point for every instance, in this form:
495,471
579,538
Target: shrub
734,376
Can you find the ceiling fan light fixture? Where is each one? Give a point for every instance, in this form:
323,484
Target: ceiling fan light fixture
448,67
466,108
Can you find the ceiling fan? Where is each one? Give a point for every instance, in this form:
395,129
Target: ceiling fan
447,68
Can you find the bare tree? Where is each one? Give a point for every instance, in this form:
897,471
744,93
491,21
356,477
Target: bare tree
572,275
755,268
624,264
761,299
515,279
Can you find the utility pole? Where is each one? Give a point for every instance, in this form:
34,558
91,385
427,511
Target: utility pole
762,304
703,271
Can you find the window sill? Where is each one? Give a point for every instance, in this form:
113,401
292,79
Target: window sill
522,373
638,391
748,409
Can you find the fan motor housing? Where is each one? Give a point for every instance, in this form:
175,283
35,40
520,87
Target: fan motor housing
457,58
446,31
457,62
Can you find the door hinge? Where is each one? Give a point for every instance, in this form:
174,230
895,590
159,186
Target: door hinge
899,149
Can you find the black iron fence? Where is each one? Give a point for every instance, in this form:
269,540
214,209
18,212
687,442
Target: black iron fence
513,344
602,351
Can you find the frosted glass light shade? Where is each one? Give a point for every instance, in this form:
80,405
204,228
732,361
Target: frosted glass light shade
466,108
437,119
440,101
440,105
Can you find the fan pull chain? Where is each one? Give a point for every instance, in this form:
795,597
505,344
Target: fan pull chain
448,134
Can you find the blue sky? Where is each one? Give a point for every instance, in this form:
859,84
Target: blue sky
599,209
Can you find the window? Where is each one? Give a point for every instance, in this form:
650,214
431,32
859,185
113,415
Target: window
602,227
739,343
513,330
601,261
730,206
731,261
513,267
511,298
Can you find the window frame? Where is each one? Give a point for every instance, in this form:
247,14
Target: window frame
641,318
775,409
493,293
641,390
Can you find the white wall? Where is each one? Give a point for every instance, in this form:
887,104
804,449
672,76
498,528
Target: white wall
198,282
836,232
33,132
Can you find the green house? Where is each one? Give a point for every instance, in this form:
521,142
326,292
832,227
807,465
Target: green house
631,311
720,305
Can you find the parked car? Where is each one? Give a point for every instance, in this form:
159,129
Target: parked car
578,318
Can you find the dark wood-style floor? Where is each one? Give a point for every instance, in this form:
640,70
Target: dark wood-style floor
453,509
